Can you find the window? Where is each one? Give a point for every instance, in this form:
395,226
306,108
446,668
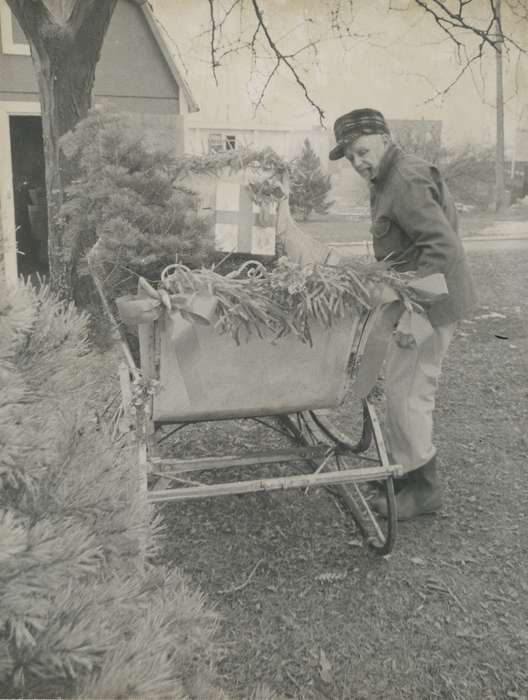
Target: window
13,39
216,143
221,142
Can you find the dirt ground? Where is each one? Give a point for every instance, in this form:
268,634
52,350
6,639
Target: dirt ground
310,612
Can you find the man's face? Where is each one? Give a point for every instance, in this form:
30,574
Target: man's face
365,154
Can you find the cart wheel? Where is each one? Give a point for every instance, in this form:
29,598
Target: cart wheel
378,533
310,429
340,438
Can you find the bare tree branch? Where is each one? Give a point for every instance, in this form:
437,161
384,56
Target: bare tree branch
214,64
260,98
518,8
450,21
234,4
466,66
453,18
281,58
309,45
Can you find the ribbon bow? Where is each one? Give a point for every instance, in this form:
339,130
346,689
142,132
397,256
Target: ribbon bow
149,304
393,311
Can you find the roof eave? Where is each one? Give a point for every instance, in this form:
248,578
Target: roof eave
176,70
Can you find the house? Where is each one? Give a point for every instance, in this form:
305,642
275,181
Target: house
137,73
286,140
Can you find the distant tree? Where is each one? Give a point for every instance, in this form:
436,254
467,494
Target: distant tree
309,185
470,174
419,138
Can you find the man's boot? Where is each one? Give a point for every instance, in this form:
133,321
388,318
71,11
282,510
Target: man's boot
399,484
419,496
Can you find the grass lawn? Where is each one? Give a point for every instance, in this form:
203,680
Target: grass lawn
445,616
340,229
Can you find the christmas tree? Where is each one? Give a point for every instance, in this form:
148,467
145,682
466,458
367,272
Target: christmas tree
309,185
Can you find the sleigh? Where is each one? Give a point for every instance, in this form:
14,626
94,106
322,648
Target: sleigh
189,376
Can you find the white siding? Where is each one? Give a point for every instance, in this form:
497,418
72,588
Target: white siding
285,141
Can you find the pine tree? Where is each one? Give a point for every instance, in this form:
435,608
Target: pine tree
128,196
309,185
79,615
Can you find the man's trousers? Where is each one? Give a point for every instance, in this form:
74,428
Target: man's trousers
411,378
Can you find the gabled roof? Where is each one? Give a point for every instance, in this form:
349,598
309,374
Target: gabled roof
173,63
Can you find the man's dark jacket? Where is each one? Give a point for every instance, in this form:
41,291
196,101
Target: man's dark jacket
414,225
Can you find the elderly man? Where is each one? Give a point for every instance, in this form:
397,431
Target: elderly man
414,226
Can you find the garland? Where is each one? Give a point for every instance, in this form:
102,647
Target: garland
265,167
213,163
274,302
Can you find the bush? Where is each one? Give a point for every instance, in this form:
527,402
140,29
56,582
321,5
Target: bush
79,615
419,138
470,174
309,186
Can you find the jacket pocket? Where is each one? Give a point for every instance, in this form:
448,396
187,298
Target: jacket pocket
380,228
383,241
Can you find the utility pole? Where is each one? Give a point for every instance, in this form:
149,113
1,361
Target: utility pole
499,156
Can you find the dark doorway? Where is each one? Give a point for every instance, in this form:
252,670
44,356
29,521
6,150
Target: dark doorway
29,187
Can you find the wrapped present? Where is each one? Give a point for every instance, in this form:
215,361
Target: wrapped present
242,225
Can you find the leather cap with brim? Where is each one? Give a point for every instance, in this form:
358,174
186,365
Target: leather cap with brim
352,125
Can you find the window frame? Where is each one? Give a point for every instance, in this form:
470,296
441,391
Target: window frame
9,46
219,145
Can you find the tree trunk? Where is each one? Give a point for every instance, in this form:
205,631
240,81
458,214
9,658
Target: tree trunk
65,98
65,55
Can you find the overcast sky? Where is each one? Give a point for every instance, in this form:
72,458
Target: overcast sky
395,61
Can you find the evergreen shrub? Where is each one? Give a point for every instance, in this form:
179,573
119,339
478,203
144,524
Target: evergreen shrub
80,614
309,186
132,199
